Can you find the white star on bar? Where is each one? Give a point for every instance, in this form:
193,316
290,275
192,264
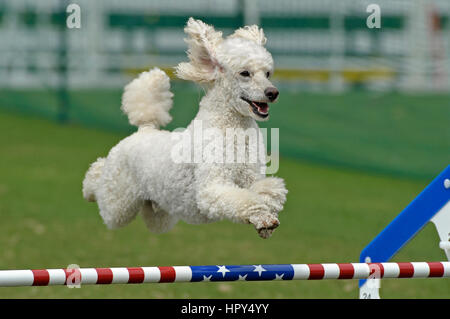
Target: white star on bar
223,270
207,278
259,269
243,277
279,277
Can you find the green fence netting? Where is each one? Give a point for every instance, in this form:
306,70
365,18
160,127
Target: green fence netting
393,133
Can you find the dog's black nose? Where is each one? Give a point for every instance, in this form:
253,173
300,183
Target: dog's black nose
271,93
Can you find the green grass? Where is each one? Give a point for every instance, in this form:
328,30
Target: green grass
331,214
392,133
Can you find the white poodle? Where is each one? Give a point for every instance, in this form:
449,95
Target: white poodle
140,173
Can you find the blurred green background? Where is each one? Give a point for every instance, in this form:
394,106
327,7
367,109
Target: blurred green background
363,117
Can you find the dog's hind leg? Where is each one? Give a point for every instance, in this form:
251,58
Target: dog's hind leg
156,219
91,180
118,211
117,198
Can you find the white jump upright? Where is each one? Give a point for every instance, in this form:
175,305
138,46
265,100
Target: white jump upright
431,205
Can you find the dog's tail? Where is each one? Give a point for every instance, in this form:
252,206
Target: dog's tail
91,179
147,99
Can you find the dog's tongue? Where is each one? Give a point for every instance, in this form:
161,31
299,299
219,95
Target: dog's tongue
262,107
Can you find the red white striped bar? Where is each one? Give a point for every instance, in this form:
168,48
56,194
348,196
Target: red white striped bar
372,270
138,275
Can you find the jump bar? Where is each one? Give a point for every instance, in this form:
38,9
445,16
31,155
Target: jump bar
138,275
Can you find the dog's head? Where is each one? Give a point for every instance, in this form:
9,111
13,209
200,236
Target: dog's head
239,64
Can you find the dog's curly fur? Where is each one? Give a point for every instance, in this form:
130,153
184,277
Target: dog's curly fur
138,175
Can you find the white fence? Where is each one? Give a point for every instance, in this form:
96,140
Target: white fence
313,41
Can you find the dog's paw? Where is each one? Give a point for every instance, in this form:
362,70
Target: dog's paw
265,224
265,233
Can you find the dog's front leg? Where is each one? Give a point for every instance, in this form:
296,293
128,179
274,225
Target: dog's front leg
218,201
273,193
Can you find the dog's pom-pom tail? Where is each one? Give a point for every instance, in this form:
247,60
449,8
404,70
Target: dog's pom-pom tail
91,179
147,99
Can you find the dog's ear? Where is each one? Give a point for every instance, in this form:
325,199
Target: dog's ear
202,43
252,33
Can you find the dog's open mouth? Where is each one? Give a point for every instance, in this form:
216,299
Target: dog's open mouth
259,108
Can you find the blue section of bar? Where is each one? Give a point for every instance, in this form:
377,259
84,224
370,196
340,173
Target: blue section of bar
242,272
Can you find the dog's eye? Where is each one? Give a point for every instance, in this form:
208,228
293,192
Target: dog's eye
267,74
245,73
